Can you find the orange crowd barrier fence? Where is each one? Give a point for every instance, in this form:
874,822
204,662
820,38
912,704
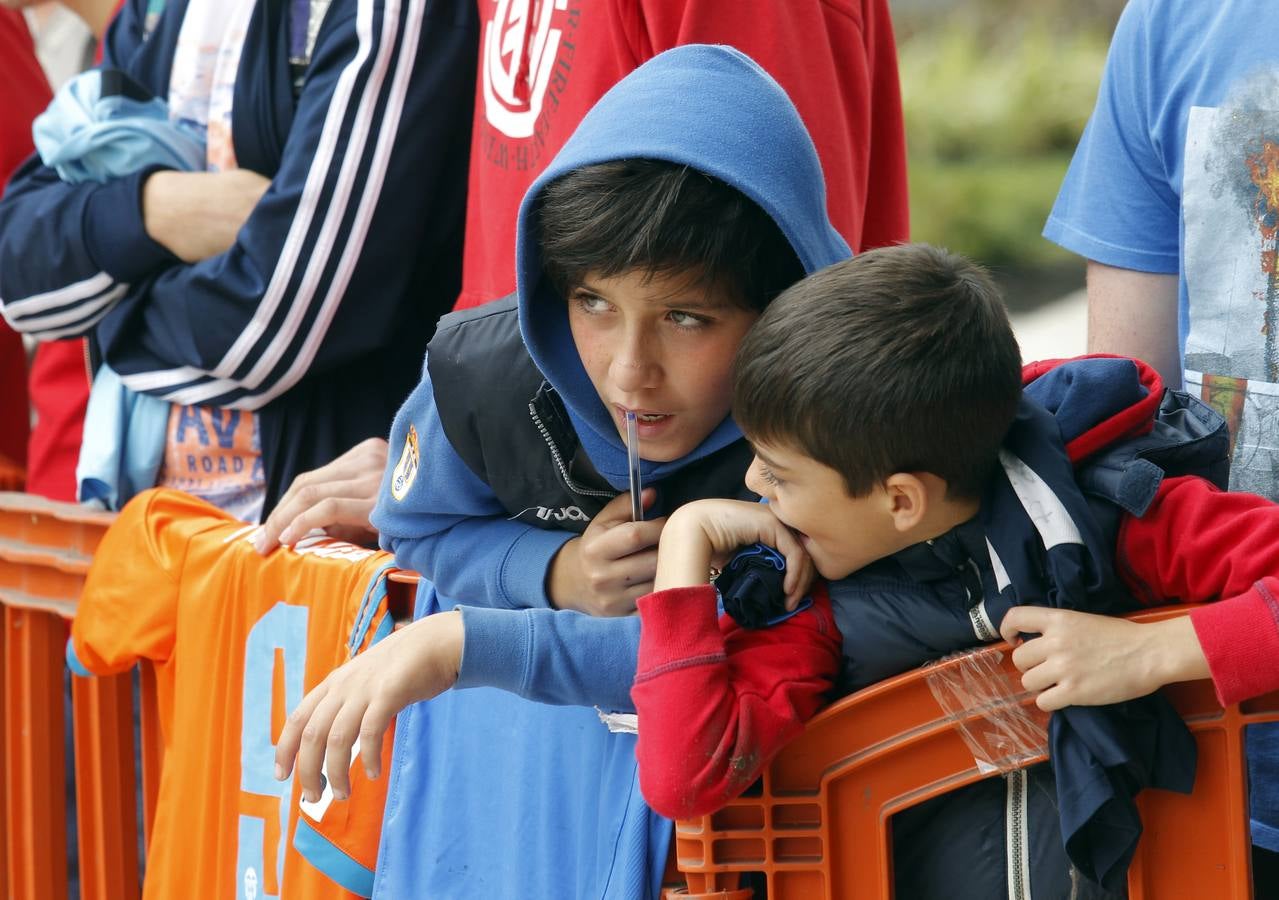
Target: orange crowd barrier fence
45,552
818,827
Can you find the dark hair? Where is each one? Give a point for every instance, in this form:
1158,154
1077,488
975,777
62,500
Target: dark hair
664,219
898,360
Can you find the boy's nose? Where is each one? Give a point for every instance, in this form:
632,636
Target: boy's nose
633,369
755,481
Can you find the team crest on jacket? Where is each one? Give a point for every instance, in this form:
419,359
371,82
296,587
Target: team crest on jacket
406,468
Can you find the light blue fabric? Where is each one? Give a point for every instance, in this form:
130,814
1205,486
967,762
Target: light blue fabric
87,137
1121,201
332,860
74,664
549,799
123,442
1165,179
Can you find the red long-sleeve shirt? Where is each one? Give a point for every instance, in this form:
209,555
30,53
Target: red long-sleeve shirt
716,701
1200,544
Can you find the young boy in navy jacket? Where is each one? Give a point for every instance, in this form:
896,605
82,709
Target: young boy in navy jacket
901,457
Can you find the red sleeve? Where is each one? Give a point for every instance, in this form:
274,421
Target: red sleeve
1199,544
26,94
716,701
837,60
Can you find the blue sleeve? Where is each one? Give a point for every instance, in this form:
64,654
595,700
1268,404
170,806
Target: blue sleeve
325,263
1118,205
89,238
561,657
440,519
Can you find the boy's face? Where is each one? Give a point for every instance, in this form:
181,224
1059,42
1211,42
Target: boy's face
841,533
662,346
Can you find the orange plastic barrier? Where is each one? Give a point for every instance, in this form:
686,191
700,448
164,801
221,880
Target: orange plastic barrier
45,552
820,828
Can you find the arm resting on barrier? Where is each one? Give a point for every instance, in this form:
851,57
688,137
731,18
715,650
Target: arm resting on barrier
452,527
716,701
362,697
1195,544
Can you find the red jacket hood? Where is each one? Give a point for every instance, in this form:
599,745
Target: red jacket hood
1134,420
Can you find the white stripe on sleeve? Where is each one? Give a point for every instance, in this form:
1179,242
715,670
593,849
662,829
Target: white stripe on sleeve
38,303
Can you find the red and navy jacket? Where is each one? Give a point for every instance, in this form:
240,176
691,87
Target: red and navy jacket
318,316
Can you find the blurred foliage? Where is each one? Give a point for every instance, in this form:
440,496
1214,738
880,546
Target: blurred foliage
991,210
964,100
996,94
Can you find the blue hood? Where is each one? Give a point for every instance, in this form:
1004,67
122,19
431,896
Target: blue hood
711,108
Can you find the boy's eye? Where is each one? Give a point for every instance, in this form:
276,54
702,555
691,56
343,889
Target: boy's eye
767,474
686,319
590,303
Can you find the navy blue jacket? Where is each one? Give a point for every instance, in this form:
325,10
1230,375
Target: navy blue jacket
318,316
1045,536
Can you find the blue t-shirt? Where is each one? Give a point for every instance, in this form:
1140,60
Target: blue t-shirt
1178,173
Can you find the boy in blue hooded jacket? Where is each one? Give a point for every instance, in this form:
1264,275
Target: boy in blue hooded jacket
688,197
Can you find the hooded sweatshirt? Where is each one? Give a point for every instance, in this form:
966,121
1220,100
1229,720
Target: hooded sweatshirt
579,829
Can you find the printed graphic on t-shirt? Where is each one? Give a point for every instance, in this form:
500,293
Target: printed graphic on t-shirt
205,63
1231,216
216,455
526,58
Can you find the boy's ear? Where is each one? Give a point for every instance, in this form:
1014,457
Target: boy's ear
908,498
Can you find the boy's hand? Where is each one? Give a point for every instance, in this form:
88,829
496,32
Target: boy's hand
360,698
708,532
611,565
1081,659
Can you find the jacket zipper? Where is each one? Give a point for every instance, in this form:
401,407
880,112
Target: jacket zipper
559,461
983,628
1017,836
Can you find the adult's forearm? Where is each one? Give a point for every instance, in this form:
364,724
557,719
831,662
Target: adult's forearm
197,215
1134,313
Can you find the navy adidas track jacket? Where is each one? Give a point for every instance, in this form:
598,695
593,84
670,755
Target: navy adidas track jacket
318,317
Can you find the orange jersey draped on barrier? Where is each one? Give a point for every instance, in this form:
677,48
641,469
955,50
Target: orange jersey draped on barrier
236,639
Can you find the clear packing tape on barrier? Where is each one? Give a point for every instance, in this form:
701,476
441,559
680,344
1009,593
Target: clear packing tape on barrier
993,713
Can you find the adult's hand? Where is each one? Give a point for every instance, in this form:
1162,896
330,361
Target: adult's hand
337,498
196,215
1081,659
611,565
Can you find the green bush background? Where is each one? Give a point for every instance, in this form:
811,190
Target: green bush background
996,94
